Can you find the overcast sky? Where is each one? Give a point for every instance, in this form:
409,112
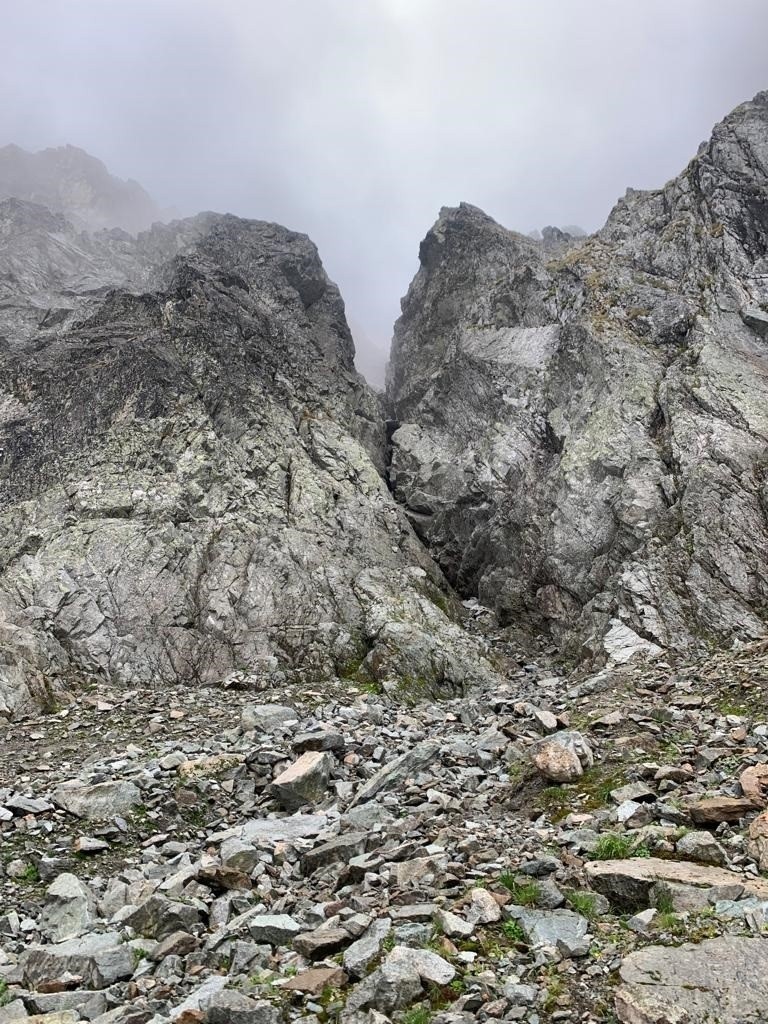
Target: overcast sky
356,120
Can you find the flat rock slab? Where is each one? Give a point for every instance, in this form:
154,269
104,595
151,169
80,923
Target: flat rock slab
100,959
99,802
392,774
627,883
723,980
268,831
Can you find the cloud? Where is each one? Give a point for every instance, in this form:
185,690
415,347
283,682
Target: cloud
355,120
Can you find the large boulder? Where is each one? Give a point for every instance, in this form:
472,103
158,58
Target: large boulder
723,980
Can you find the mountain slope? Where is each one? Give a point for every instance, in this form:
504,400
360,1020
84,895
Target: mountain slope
69,181
583,422
190,477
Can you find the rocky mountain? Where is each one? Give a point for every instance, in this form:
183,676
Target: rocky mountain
191,477
581,424
70,181
228,580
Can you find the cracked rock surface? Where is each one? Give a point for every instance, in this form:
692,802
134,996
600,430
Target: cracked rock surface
581,424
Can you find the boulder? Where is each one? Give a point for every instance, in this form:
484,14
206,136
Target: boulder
627,883
99,802
723,979
562,757
303,782
100,959
70,909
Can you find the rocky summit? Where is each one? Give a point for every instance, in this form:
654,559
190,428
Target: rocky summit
432,707
581,424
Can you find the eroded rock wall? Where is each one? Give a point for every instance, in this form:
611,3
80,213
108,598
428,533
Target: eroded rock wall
583,422
191,470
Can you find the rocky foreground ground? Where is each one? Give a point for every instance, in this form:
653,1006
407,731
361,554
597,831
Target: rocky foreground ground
581,849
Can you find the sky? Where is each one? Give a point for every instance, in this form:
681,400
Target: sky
356,120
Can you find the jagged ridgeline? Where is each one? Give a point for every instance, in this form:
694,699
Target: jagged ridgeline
192,471
195,483
583,422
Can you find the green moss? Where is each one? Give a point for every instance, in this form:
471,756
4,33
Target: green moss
617,846
524,894
513,931
418,1015
584,903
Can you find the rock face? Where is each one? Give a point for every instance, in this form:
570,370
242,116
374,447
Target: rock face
190,480
581,424
70,181
721,980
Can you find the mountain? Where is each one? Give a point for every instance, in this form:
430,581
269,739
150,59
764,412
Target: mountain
70,181
196,485
191,482
582,424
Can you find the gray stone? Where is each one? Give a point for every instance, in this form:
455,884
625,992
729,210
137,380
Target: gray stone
723,979
303,782
87,1004
563,929
70,909
520,995
268,718
702,847
158,916
393,774
94,803
627,883
268,831
276,929
361,954
757,319
340,849
100,959
228,1007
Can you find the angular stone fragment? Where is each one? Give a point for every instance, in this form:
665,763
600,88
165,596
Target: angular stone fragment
483,908
563,929
230,1007
420,757
100,959
716,809
276,929
361,954
303,782
627,883
315,980
322,739
158,916
562,757
342,848
99,802
265,832
701,847
757,319
429,966
70,909
268,718
452,925
321,942
723,980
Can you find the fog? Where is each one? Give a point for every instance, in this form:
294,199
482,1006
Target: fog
356,120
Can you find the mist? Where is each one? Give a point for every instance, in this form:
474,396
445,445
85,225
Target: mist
356,121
